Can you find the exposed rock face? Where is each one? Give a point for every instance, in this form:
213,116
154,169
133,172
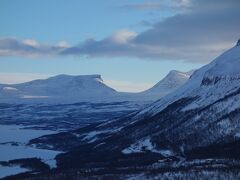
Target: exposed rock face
238,43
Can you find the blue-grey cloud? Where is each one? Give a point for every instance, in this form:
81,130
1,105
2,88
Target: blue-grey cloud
199,34
10,45
29,47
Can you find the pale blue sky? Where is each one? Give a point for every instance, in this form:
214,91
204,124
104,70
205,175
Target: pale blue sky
49,22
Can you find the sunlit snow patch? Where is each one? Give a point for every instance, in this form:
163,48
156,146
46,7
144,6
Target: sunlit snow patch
146,145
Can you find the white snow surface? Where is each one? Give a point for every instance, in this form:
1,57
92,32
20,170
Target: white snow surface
146,145
10,152
93,136
58,88
85,88
139,146
172,81
16,134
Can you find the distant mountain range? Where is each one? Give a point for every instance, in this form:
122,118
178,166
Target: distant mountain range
199,120
84,88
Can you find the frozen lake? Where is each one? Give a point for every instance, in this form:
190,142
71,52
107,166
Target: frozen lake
16,134
7,171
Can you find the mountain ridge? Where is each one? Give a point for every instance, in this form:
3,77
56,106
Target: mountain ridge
85,88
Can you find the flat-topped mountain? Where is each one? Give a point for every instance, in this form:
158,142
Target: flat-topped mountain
84,88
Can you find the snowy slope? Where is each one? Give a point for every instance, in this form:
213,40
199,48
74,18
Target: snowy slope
203,111
90,88
210,82
59,88
168,84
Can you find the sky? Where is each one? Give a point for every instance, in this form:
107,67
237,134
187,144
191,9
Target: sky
132,43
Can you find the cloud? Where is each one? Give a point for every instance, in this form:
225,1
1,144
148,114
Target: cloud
199,34
118,44
208,29
63,44
122,36
31,42
28,47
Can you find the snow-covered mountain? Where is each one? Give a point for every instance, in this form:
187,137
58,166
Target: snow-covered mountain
201,119
59,88
205,111
84,88
168,84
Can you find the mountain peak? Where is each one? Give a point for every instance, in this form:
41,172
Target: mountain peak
175,73
169,83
